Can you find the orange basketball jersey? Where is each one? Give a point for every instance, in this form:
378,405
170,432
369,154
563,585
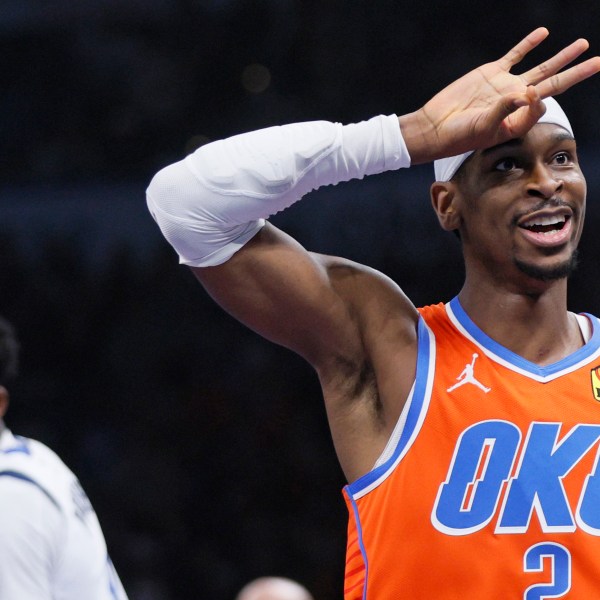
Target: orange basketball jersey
490,484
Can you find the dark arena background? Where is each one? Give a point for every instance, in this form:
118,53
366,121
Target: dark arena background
205,449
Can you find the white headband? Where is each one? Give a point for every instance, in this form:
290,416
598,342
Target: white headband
445,168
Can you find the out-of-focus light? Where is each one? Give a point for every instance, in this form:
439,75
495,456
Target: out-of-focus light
256,78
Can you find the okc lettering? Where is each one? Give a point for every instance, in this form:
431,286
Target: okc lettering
485,456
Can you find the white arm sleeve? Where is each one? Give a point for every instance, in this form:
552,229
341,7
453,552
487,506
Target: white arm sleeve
31,534
216,199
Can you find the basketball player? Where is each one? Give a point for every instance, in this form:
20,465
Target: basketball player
51,544
273,588
468,431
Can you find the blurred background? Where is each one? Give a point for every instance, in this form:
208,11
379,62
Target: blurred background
203,448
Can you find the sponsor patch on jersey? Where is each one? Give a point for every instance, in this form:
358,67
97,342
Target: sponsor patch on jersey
596,382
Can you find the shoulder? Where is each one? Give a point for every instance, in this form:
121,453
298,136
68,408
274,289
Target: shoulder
353,276
30,517
376,301
22,495
31,467
33,456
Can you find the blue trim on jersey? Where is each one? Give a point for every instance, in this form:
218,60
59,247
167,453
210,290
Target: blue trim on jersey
414,411
22,477
518,361
23,446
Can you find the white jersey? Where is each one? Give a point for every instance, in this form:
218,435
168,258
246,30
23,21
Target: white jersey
51,543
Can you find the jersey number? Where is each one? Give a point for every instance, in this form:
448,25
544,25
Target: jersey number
560,568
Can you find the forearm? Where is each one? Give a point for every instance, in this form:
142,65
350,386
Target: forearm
215,200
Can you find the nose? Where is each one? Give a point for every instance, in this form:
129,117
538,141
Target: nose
543,182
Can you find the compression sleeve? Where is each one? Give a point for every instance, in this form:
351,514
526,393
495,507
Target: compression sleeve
31,534
215,200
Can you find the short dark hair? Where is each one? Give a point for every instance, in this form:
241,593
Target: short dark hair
9,352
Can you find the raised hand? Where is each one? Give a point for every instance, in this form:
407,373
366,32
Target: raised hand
490,105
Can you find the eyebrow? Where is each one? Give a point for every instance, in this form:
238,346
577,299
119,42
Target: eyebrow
557,137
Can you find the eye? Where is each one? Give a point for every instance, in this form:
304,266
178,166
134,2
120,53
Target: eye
506,164
562,158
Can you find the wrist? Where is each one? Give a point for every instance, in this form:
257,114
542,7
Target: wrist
419,136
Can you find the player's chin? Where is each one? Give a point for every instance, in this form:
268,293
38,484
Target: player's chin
551,269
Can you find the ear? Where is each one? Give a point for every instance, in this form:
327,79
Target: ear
3,401
445,203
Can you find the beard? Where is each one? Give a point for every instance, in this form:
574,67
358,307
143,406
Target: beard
560,271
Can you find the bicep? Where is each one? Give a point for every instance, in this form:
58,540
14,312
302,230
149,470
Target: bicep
284,293
30,528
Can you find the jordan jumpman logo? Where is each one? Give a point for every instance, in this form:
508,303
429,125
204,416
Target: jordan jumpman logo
467,376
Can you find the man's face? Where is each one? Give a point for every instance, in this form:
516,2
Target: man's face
522,207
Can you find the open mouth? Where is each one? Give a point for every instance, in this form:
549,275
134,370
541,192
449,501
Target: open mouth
548,229
545,224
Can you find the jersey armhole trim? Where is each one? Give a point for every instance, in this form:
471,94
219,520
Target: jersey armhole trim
411,419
